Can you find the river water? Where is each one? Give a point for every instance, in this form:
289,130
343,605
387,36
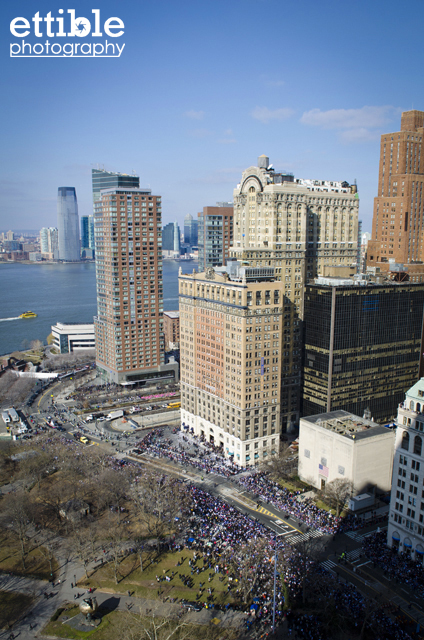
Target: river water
58,293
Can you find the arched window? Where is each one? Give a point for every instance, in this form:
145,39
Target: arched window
405,441
418,444
418,407
411,405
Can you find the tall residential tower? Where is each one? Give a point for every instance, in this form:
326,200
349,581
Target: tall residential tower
129,322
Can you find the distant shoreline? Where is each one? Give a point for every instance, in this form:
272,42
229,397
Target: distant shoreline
45,262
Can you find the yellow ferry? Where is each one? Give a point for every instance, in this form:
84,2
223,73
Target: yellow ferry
28,314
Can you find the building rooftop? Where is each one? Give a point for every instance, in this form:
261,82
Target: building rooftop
172,314
347,424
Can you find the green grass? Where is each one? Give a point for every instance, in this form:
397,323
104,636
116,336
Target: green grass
144,583
12,605
115,623
36,565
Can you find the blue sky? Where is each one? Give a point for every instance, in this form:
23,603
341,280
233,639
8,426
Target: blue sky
199,92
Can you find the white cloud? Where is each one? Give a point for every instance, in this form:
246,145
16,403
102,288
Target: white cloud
200,133
229,139
361,134
195,115
355,125
265,115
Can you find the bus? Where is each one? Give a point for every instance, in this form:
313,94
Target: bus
174,405
13,414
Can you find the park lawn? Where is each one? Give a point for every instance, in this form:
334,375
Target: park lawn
12,605
116,622
144,584
37,566
323,505
105,631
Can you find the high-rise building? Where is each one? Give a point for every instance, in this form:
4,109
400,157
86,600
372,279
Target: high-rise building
91,232
362,345
215,235
171,329
230,330
68,224
190,231
85,232
102,179
300,228
398,219
171,242
405,531
49,241
129,322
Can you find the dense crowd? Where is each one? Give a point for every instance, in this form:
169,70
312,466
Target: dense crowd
305,510
397,566
217,532
188,452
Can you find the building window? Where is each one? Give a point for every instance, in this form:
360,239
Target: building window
417,445
405,441
341,470
307,453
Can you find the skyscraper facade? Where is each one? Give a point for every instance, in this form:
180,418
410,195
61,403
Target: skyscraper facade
171,242
362,345
398,218
230,330
49,241
91,232
68,224
85,241
102,179
129,322
299,228
190,231
405,532
215,235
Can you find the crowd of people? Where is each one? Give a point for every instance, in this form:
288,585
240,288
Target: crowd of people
304,510
397,566
217,532
188,452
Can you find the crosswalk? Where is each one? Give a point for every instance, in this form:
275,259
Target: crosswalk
303,537
355,535
329,565
354,554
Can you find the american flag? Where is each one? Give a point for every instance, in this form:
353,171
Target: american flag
323,470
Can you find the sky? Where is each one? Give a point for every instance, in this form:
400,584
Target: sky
199,91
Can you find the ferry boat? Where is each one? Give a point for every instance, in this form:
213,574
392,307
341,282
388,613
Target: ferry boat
28,314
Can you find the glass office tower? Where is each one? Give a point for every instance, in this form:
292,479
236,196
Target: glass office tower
68,224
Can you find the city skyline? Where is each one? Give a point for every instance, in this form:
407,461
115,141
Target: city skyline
203,113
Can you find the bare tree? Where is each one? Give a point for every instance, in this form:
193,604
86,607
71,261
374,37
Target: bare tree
115,541
16,517
35,466
283,465
80,545
161,504
337,492
248,562
37,345
48,548
139,627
